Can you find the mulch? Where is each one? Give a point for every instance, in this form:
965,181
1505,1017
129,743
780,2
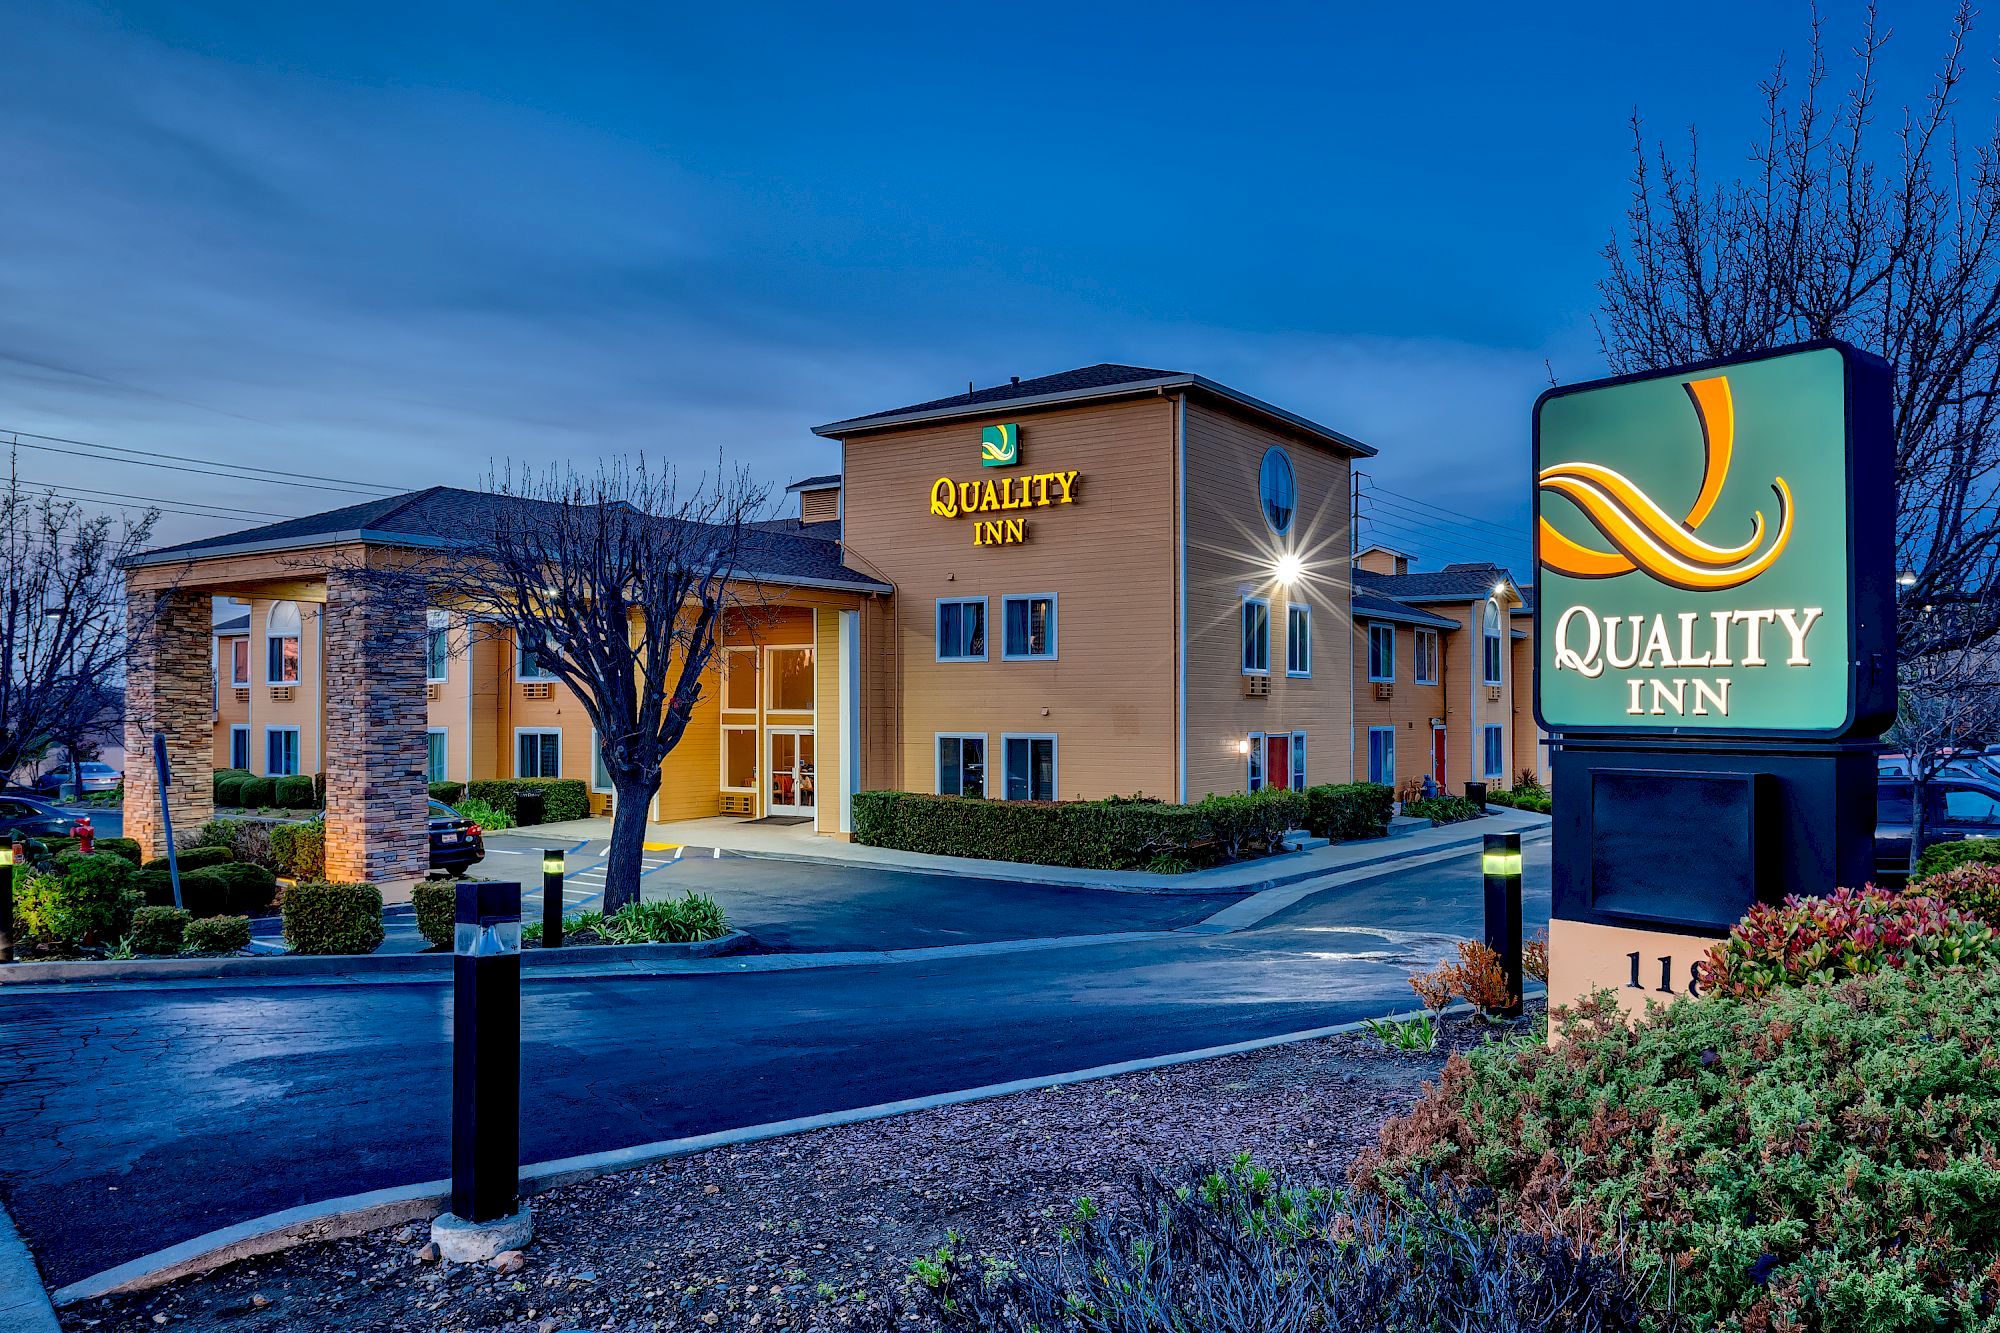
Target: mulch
816,1231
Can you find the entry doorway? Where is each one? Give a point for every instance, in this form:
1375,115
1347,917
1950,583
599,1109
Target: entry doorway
791,768
1437,755
1278,760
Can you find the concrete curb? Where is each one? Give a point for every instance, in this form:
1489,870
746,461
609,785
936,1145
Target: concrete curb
354,1214
24,1304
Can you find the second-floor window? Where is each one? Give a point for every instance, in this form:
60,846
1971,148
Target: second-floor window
1427,657
1381,652
530,666
281,642
437,647
1298,641
1029,624
1492,642
1256,637
239,661
961,629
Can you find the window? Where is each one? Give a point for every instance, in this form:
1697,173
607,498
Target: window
739,680
538,752
1969,805
1492,642
1382,755
281,644
437,648
528,664
600,776
1298,761
239,661
1381,652
1427,656
739,758
434,754
1256,637
239,744
961,764
1031,767
789,676
1029,624
281,751
961,630
1253,775
1298,641
1277,488
1496,749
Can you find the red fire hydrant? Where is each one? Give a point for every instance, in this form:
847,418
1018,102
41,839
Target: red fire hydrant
84,834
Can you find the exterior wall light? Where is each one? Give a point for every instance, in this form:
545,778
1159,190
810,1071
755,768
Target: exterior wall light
1243,746
1289,568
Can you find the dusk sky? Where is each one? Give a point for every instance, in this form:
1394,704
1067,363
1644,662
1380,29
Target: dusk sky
392,244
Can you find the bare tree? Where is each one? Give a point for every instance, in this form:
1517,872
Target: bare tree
1832,232
62,619
618,582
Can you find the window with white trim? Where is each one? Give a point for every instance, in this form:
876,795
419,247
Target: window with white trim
1031,767
600,776
538,752
1028,627
1427,656
239,746
1298,761
961,765
434,744
281,644
437,649
739,758
239,661
961,629
281,752
1277,488
1253,773
1382,755
1256,637
1496,749
528,661
1491,641
788,679
1382,652
1298,640
739,680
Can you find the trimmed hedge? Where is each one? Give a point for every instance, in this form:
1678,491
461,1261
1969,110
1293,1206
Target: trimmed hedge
562,798
1117,833
125,847
1347,811
324,918
158,930
199,856
234,889
1942,856
1442,809
256,793
218,934
227,783
1534,799
296,792
436,901
300,849
451,793
86,896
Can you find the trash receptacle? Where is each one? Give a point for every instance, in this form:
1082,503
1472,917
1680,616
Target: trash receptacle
1475,792
529,808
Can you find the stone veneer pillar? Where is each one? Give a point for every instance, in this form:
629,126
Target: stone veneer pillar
170,688
372,678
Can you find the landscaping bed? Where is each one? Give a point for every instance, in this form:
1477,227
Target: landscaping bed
817,1231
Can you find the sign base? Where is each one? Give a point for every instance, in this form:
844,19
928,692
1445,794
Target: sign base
1639,966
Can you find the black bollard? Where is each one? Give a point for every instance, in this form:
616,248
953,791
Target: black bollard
1502,866
552,898
486,1053
6,902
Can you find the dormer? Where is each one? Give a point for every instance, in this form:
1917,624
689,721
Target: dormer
1383,560
819,499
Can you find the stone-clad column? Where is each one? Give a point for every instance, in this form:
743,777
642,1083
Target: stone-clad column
373,675
169,688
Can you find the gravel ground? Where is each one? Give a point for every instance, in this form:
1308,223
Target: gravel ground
812,1232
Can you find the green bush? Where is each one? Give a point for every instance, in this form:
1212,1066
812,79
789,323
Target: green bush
436,901
563,798
490,818
205,892
324,918
1974,889
1942,856
125,847
227,783
295,793
1533,798
154,887
690,917
451,793
248,839
1240,824
218,934
195,858
86,897
1350,810
256,793
1851,933
247,890
299,850
1442,809
158,930
1821,1158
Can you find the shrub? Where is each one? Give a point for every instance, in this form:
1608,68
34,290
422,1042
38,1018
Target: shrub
692,916
299,850
248,890
436,902
154,887
1821,1158
451,793
1942,856
1522,798
86,897
1973,888
195,858
1350,810
248,839
490,818
1852,933
294,792
324,918
256,793
563,798
218,934
125,847
204,892
228,783
1442,809
158,930
1239,1249
1477,976
1256,821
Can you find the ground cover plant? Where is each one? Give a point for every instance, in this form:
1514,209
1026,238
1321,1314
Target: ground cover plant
490,818
688,919
1442,809
1973,888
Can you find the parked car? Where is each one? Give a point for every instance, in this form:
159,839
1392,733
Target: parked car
1960,806
1967,763
95,777
456,842
21,817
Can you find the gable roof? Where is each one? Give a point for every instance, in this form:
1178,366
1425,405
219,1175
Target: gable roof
1453,583
442,516
828,482
235,625
1376,606
1105,380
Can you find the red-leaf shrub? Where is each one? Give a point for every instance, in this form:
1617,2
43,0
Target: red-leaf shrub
1853,933
1973,889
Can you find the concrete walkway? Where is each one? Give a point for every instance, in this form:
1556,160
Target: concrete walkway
798,842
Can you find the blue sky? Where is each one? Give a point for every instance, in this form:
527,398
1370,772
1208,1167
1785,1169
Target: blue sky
395,243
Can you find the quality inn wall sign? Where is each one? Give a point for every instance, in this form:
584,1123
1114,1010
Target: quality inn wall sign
1695,560
992,504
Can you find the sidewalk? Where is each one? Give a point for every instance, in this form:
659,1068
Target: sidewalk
800,843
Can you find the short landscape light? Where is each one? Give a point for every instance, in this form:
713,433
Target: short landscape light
1501,864
552,898
1501,861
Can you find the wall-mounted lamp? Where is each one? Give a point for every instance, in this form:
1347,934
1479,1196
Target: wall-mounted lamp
1243,746
1289,568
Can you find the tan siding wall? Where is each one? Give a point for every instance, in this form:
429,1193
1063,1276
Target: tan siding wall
1109,557
1409,709
1230,553
445,705
1468,705
303,709
692,773
826,750
229,710
1527,736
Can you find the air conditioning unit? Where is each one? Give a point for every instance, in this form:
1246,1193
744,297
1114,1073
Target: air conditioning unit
1385,689
1256,687
536,689
1493,693
281,694
431,691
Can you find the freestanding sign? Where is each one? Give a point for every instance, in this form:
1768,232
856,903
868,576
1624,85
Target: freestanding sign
1715,639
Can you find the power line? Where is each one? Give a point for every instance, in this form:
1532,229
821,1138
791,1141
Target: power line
1452,513
211,467
211,510
1441,533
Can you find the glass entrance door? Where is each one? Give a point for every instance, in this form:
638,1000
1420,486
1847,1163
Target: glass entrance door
791,770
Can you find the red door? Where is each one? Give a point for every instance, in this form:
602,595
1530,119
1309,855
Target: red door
1278,762
1437,755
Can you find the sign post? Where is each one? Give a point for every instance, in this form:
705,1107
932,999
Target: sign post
163,777
1715,650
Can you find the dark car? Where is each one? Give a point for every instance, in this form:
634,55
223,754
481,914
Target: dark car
1959,806
456,842
21,817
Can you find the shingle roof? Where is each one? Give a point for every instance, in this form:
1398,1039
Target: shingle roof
815,483
1104,375
236,625
446,516
1453,583
1374,606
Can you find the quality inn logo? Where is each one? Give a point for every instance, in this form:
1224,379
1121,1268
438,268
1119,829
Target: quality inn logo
1644,536
1000,446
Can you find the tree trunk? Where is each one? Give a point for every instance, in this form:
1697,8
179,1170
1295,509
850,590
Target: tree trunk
628,841
1920,796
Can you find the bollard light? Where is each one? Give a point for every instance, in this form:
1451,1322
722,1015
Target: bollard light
6,904
486,1053
1501,865
552,898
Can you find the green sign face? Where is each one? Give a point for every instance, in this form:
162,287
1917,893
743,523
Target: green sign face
1692,550
1000,446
